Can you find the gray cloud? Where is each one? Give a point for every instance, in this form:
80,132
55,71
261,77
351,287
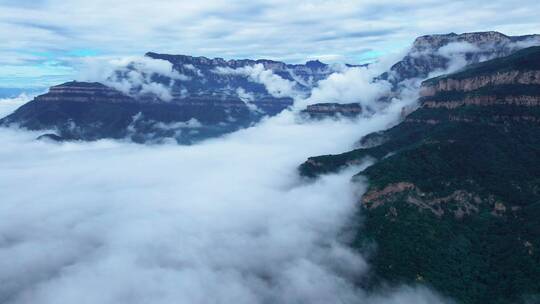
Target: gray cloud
361,34
274,29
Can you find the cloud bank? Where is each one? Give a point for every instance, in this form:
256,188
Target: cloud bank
352,85
224,221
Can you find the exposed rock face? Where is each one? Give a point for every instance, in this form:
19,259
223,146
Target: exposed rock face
437,53
475,83
375,197
324,110
512,81
463,202
455,186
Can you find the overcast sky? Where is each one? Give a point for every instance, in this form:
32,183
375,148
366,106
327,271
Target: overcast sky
43,40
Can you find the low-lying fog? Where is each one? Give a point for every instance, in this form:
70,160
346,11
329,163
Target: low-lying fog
224,221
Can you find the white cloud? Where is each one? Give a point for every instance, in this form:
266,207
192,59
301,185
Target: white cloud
194,69
456,48
247,98
455,52
8,105
274,84
352,85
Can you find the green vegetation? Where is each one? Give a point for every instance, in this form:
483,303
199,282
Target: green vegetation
482,258
491,254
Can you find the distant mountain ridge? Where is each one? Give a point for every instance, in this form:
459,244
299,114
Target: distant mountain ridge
223,78
310,68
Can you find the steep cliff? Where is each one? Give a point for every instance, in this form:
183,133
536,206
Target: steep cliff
435,54
455,190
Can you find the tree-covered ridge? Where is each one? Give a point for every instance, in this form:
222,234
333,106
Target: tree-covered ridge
454,197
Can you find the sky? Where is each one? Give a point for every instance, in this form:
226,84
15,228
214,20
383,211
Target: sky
45,41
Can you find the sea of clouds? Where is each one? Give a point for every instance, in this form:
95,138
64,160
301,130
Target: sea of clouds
225,221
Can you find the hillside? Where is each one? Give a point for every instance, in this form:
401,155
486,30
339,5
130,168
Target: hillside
455,191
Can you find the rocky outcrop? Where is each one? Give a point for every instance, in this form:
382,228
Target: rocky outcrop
434,53
512,81
325,110
474,83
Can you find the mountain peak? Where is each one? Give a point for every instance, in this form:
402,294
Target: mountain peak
315,64
438,40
